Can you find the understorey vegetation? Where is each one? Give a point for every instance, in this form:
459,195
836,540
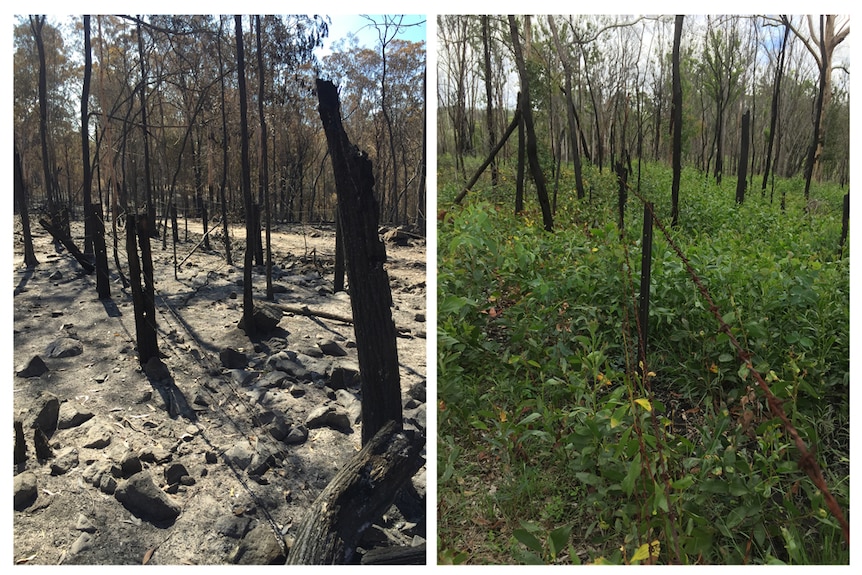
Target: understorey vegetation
558,443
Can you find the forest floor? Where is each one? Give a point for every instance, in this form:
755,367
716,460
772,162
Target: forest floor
217,459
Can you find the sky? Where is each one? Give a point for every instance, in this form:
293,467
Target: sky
344,24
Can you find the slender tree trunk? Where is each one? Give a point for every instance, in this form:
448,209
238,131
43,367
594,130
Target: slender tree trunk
20,191
148,185
527,115
264,167
248,300
370,293
36,23
742,173
489,96
224,149
775,109
676,120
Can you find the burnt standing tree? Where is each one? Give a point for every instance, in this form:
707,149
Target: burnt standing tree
370,294
527,116
247,298
676,121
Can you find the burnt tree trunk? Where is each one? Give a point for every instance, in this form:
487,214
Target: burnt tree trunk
742,174
250,244
23,201
143,294
61,236
357,496
676,121
338,281
365,256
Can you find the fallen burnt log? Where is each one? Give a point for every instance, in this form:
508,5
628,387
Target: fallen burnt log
67,242
357,496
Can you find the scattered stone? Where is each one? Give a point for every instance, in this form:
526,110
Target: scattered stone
332,416
273,379
418,391
420,317
233,359
279,428
343,377
47,413
243,377
98,436
239,454
82,543
20,452
102,378
83,523
41,445
351,403
416,418
292,368
211,457
297,390
65,462
298,434
64,347
330,347
264,316
140,495
175,472
130,464
258,547
57,275
156,454
25,490
156,369
397,236
70,416
232,526
35,368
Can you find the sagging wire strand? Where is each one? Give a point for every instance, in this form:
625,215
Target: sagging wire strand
807,462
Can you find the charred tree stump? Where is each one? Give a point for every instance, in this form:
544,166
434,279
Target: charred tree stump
59,235
365,256
143,294
357,496
97,226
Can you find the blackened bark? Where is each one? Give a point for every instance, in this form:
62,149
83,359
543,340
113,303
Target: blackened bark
23,201
357,496
527,115
773,116
742,174
141,280
370,294
250,243
676,120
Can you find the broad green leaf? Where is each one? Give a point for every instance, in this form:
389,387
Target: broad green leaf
558,539
628,484
683,483
644,403
528,539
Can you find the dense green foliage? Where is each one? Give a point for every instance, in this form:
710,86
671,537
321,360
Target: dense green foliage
551,446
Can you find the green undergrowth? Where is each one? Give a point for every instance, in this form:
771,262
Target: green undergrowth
553,448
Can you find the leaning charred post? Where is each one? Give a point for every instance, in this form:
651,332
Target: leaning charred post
365,256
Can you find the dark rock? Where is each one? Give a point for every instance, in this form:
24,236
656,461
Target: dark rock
420,317
70,416
239,454
232,526
65,462
47,413
140,495
20,452
41,445
82,543
297,390
265,318
175,472
330,347
273,379
243,377
233,359
279,428
298,434
25,489
64,347
155,454
35,367
343,377
211,457
130,464
98,436
259,547
85,524
417,392
293,369
332,416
